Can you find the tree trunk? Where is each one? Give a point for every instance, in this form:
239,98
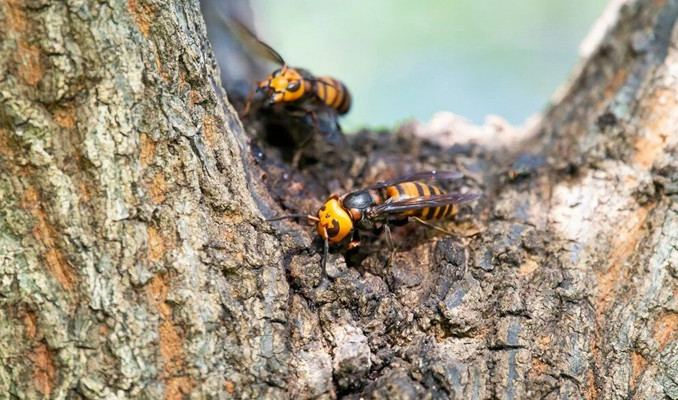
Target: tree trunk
135,260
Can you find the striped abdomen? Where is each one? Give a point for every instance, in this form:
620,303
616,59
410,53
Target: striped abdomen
333,93
408,190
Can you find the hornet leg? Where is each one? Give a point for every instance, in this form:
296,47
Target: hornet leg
422,222
250,96
326,250
355,241
391,246
297,154
316,127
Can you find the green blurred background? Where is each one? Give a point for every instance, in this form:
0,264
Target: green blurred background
408,58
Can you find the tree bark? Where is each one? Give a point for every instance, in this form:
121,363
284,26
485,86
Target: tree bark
135,260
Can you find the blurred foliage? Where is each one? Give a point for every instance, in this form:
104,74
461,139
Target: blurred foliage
404,58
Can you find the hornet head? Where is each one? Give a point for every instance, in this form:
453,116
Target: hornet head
283,85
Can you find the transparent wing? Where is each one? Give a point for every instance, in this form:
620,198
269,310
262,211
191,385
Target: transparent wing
419,176
418,203
251,41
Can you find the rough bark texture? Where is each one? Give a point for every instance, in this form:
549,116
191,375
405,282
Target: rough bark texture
135,262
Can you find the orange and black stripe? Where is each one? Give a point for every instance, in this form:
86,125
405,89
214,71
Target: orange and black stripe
408,190
333,93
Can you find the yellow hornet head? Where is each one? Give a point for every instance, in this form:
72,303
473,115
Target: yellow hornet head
335,222
285,84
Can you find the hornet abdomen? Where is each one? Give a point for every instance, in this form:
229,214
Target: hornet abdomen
410,190
333,93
